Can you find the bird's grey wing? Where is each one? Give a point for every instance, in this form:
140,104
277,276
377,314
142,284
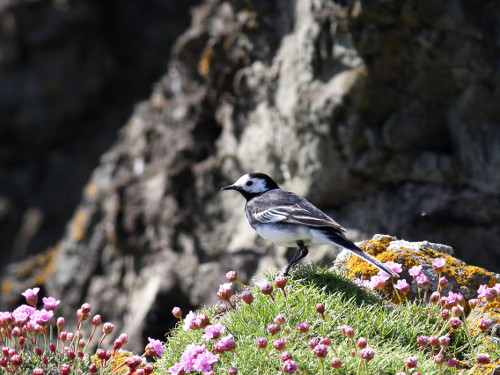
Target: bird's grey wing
295,215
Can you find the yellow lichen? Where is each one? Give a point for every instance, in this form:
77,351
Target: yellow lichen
78,225
489,369
38,268
5,287
206,58
90,189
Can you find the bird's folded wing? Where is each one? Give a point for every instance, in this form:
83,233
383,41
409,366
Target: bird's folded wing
295,215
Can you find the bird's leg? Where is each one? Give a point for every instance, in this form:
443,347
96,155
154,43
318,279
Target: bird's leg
302,251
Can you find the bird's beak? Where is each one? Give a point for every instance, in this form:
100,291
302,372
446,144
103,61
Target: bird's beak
229,187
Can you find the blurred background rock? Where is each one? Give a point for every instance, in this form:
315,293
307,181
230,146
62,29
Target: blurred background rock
114,143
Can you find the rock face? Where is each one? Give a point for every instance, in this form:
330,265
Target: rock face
70,72
385,114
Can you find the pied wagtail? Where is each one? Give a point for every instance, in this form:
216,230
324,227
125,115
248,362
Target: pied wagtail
287,219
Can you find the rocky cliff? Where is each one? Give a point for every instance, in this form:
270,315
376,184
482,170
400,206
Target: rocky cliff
384,114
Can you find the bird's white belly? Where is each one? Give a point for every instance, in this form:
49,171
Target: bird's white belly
288,235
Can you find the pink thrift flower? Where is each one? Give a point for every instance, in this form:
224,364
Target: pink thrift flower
361,343
455,323
442,281
402,285
421,279
177,312
232,276
285,356
367,354
415,271
321,350
336,363
411,362
213,331
247,297
225,344
50,303
190,322
225,291
347,331
31,296
438,264
289,367
313,342
265,288
204,361
483,358
279,344
280,319
273,329
42,317
261,342
303,327
189,355
154,348
377,282
280,282
482,290
22,314
396,267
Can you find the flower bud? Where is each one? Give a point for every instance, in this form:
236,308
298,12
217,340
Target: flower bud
108,328
367,354
411,362
336,363
177,312
232,276
361,343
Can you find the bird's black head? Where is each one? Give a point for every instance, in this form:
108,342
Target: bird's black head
253,184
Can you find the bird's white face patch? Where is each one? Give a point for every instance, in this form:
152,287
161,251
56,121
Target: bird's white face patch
251,184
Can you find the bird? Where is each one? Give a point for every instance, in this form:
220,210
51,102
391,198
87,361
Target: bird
287,219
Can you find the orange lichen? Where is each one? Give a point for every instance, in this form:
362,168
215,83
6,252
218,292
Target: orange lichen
5,287
90,189
206,58
489,369
78,225
38,268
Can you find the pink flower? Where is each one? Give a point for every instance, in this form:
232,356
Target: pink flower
438,264
415,271
303,327
285,356
289,367
225,291
177,312
261,342
188,357
42,317
321,350
22,314
280,319
367,354
361,343
279,344
50,303
483,358
411,362
421,279
190,322
313,342
378,281
177,369
31,296
247,297
347,331
204,361
265,287
402,285
455,323
396,267
280,282
273,329
336,363
154,348
232,276
225,344
213,331
482,291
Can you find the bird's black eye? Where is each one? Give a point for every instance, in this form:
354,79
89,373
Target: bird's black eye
249,183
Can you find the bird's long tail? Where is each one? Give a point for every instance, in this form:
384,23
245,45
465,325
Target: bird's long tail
339,239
